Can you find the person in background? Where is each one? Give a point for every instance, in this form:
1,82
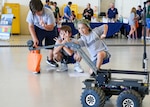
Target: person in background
52,6
132,22
92,40
148,20
42,26
88,12
48,4
67,12
140,14
57,12
112,13
64,54
73,15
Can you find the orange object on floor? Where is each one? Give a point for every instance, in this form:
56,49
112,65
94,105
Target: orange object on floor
34,59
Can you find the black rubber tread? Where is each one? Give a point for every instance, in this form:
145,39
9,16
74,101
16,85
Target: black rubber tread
129,94
90,90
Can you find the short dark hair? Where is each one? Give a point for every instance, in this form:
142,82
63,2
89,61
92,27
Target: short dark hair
69,3
35,5
55,2
139,6
66,28
47,1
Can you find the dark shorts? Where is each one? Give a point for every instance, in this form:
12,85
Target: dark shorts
69,59
48,36
106,59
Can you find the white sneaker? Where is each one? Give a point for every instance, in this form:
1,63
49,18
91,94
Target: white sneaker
142,37
147,38
36,72
63,67
128,36
78,68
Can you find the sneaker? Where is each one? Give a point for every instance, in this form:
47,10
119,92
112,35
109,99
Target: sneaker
147,38
63,67
51,63
128,36
92,75
36,72
142,37
78,68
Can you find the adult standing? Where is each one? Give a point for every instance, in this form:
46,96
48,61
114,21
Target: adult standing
42,26
52,6
47,4
140,14
132,22
112,13
73,16
68,12
56,12
88,12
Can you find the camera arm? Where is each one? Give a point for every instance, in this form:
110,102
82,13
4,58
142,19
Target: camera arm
74,46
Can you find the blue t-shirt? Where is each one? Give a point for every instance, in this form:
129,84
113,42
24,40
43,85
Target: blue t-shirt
67,10
112,13
131,19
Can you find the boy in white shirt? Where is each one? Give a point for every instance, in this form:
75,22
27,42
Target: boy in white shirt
64,54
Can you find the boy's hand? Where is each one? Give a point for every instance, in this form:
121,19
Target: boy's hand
57,40
42,22
36,42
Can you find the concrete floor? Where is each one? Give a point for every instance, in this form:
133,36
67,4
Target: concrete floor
20,88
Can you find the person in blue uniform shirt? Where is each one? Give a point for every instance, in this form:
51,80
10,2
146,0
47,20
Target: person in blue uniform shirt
112,13
68,12
42,26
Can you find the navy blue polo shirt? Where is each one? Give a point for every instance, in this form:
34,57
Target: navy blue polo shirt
112,13
139,12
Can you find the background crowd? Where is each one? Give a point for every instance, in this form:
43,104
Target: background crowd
44,19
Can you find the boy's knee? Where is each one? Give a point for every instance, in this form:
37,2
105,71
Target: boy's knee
58,57
101,54
77,57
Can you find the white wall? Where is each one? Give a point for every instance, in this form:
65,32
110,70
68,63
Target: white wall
124,8
24,9
81,3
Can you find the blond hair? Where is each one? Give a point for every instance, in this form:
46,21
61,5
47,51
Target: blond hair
133,10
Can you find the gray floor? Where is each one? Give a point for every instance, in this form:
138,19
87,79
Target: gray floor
20,88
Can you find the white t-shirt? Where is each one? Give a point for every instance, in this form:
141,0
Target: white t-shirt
48,18
93,43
